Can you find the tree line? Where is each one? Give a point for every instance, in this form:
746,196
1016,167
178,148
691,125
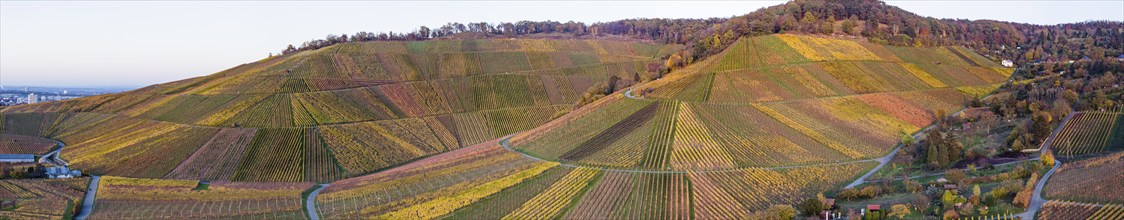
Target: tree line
872,19
667,31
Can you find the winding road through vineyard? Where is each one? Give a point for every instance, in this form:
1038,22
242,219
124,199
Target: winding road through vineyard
1036,200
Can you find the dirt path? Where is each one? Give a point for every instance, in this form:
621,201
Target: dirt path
88,201
310,203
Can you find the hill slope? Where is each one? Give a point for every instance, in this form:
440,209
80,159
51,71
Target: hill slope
675,152
331,113
771,101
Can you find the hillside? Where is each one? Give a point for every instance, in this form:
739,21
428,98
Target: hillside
331,113
768,115
1089,133
1089,180
675,153
771,101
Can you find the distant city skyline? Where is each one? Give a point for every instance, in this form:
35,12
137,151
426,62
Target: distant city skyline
115,43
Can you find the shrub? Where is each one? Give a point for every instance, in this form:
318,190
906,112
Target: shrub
779,212
955,175
870,191
811,206
899,210
1047,158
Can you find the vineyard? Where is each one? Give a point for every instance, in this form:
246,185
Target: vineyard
673,135
218,158
411,130
41,198
448,181
1072,210
1096,180
22,144
772,101
329,114
787,67
129,198
467,184
1090,132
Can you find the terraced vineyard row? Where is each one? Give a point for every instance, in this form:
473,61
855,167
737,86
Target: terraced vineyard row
1070,210
728,194
321,115
218,158
464,183
712,136
284,155
1090,132
307,154
42,198
786,67
1094,180
402,100
554,200
443,179
557,142
660,141
133,147
129,198
22,144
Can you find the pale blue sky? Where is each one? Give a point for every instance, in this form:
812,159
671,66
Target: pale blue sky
144,42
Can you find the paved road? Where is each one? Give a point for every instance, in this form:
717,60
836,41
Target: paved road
1036,201
881,163
53,156
88,202
628,93
310,203
886,159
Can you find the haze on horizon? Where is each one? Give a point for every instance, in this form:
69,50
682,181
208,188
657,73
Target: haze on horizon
87,44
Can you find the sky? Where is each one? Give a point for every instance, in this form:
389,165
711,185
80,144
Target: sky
137,43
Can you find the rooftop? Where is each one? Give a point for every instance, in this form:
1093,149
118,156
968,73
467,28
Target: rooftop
17,156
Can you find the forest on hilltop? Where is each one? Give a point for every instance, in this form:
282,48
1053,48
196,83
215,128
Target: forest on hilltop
872,19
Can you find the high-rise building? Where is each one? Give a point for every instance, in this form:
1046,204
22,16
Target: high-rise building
32,98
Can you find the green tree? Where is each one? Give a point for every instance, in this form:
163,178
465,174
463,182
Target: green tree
811,206
907,139
948,199
848,26
976,195
1017,145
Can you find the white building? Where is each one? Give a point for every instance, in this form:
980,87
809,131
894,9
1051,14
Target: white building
62,172
32,98
17,158
1007,63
